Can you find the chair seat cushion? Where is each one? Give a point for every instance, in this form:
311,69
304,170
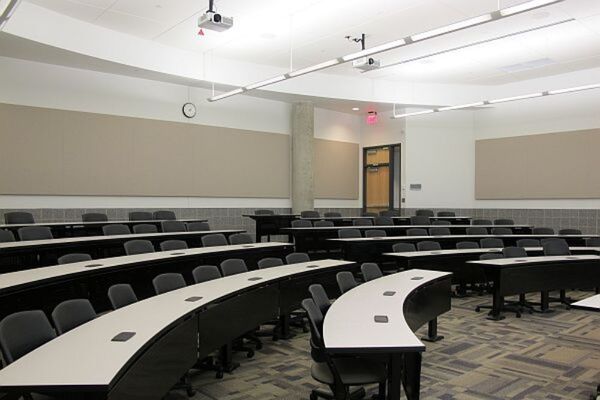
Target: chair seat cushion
352,370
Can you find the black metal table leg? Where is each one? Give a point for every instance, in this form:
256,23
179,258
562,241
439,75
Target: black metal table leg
412,375
432,335
395,376
497,306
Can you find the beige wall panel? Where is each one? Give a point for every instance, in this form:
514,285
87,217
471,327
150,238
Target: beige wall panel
561,165
336,170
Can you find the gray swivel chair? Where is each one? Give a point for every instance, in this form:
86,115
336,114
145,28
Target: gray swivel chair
172,226
404,247
504,221
491,243
164,215
349,233
491,256
481,222
543,231
345,281
197,226
310,214
297,258
18,217
73,258
556,247
115,229
420,220
145,228
569,231
370,271
467,245
34,233
319,296
133,247
502,231
384,221
368,214
372,233
332,214
23,332
270,262
428,245
514,252
215,239
6,236
72,313
233,266
446,214
301,223
174,244
167,282
477,230
424,213
94,217
324,224
121,295
528,243
205,273
416,232
439,231
140,216
240,238
264,212
362,222
592,242
441,222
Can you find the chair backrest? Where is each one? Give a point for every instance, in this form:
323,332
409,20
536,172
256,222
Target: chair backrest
121,295
514,252
439,231
240,238
197,226
370,271
446,214
362,222
94,217
34,233
319,296
416,232
404,247
166,282
345,281
324,224
481,222
543,231
145,228
464,245
23,332
214,239
205,273
164,215
18,217
425,213
140,216
491,243
428,245
138,246
349,233
301,223
332,214
441,222
504,221
269,262
172,226
315,322
368,214
528,243
556,247
491,256
477,230
6,236
174,244
310,214
569,231
389,213
73,258
383,220
593,242
233,266
71,313
264,212
502,231
115,229
420,220
375,233
296,258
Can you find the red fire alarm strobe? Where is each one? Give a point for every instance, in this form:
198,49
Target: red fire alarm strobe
372,118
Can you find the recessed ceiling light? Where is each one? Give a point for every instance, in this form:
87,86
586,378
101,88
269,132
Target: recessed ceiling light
355,109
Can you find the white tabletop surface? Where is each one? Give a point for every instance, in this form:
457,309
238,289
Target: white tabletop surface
535,260
109,222
464,237
349,322
335,228
38,275
87,356
130,236
450,252
591,302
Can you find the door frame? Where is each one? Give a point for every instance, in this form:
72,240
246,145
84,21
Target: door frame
391,165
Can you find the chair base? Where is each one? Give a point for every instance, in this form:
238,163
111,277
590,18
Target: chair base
321,394
185,384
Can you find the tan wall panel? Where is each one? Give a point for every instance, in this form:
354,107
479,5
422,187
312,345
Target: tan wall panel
561,165
336,169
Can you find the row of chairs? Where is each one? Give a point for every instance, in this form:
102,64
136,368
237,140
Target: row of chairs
23,217
44,232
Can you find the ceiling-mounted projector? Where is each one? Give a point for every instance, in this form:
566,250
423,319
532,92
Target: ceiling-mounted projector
213,20
366,64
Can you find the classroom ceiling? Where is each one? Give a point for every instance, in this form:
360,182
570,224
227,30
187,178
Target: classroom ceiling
305,32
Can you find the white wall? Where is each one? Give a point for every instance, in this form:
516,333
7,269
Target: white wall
45,85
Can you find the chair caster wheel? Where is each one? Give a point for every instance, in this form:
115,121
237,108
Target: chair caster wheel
190,392
477,309
219,375
250,354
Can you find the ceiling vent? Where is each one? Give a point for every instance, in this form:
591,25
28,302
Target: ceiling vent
541,62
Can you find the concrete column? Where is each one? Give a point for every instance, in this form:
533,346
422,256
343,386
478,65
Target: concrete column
303,128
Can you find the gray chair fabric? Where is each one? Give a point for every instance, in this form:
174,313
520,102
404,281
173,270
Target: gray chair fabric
301,223
167,282
403,247
215,239
490,243
6,236
528,243
332,214
420,220
319,296
556,247
439,231
205,273
264,212
323,224
345,281
72,313
371,233
569,231
94,217
446,214
297,258
543,231
467,245
172,226
174,244
491,256
121,295
133,247
23,332
197,226
270,262
389,213
73,258
145,228
514,252
140,216
416,232
349,233
504,221
476,230
240,238
233,266
115,229
481,222
384,221
592,242
368,214
370,271
310,214
362,222
425,213
18,217
164,215
441,222
35,233
502,231
428,245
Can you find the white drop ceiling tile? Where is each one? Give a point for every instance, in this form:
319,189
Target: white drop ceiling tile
580,8
130,24
95,3
73,9
164,11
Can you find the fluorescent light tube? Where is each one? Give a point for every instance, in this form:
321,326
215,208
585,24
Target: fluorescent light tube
522,97
479,103
8,12
374,50
226,94
265,82
530,5
313,68
453,27
574,89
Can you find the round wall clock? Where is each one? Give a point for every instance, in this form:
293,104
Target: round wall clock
189,110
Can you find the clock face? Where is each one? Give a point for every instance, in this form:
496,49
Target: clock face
189,110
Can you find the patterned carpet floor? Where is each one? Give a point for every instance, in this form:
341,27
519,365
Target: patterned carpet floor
539,356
